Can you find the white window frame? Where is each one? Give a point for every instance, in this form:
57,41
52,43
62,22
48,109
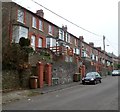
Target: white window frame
47,42
96,58
18,32
67,37
41,25
40,41
71,59
76,51
93,57
84,54
50,29
75,40
32,41
20,15
51,42
108,63
34,22
61,34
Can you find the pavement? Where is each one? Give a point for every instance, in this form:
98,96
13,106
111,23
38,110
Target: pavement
27,93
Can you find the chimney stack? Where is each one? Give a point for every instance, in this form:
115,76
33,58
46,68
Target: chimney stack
91,44
64,28
81,38
40,13
99,48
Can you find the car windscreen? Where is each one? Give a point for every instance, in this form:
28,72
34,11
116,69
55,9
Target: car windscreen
114,71
90,75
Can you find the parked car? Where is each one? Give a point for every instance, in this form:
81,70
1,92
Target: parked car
116,73
92,78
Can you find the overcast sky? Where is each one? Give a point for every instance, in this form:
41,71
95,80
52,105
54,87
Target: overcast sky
97,16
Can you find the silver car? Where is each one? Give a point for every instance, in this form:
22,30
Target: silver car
116,73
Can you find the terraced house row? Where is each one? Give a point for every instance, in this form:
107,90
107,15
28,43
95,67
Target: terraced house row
20,22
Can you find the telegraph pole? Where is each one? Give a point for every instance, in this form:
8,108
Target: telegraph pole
104,43
104,46
104,51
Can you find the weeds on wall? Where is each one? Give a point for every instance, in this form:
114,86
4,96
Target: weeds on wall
16,55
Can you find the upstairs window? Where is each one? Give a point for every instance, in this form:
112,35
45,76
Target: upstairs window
34,22
75,42
61,34
84,54
96,58
21,16
50,30
92,56
67,37
41,25
77,51
50,42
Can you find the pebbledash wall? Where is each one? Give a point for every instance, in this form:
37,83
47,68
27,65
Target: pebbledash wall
12,80
63,72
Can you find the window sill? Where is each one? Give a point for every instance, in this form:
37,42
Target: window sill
21,22
41,30
34,27
50,34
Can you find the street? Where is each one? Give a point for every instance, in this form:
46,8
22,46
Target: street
102,96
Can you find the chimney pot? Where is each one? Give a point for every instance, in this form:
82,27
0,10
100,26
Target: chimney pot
64,28
40,13
99,48
91,44
81,38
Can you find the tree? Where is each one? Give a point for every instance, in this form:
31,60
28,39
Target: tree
118,66
24,42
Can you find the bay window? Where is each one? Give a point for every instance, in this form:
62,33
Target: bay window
50,42
18,32
61,34
67,37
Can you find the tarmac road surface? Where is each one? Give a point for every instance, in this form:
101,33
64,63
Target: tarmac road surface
102,96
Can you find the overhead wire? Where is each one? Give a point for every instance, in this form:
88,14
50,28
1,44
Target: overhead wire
70,21
66,19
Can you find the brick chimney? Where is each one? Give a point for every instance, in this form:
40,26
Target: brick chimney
64,28
40,13
91,44
81,38
99,48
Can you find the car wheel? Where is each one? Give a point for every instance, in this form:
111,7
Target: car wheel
83,83
95,82
100,81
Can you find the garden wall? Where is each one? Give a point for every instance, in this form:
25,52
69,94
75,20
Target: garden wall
63,71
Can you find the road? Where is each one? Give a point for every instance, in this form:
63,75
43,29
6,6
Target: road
103,96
